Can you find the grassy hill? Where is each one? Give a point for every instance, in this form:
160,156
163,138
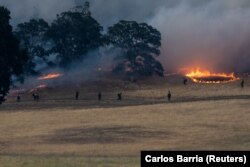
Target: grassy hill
60,131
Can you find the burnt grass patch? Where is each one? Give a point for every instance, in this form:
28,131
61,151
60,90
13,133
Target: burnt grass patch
104,135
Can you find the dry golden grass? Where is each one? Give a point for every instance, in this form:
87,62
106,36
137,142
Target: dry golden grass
125,131
78,132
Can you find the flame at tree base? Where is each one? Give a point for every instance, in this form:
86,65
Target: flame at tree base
204,76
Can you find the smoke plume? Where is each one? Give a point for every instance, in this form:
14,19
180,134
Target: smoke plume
213,35
207,33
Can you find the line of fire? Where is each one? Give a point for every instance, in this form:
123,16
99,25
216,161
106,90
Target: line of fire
204,76
195,75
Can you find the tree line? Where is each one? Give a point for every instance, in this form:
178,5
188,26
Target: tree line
68,39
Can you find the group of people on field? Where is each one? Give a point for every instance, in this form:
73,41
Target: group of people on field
99,96
36,96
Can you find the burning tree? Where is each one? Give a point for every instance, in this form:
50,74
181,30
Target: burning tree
12,58
140,44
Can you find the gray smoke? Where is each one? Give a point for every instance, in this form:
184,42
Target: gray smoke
94,66
23,10
212,35
209,33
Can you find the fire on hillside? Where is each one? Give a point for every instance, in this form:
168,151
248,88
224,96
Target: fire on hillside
50,76
39,87
198,75
39,83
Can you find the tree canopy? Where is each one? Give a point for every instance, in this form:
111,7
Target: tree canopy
140,44
32,37
69,38
73,34
12,58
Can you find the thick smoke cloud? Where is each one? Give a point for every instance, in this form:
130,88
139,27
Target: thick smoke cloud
213,35
210,33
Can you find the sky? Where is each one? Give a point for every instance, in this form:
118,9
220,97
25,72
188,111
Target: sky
213,34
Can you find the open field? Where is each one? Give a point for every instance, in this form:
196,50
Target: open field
59,131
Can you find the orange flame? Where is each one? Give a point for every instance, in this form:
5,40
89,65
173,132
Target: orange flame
205,76
50,76
42,86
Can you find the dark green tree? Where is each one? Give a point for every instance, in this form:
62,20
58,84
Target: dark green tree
140,45
73,34
32,37
12,58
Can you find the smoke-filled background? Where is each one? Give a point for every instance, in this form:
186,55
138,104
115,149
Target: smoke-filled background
214,34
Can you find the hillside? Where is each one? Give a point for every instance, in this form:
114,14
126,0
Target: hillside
60,131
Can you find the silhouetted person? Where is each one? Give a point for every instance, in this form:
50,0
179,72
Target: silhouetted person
242,84
169,96
77,95
99,96
18,98
185,81
34,96
119,96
